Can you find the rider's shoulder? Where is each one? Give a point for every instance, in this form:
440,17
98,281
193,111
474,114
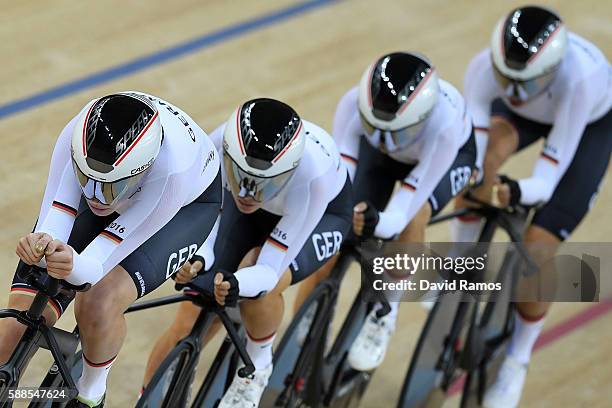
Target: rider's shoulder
480,62
450,93
350,98
319,143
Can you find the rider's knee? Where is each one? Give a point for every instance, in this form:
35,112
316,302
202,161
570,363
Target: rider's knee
96,306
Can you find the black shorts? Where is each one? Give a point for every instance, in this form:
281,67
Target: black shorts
239,233
576,192
156,259
377,174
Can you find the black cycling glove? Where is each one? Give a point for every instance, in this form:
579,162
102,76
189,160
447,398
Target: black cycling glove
231,300
515,189
371,218
201,259
181,286
205,285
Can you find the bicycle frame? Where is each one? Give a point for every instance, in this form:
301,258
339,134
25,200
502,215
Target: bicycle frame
36,335
480,344
316,376
194,343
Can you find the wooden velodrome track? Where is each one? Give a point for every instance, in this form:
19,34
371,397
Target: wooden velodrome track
307,55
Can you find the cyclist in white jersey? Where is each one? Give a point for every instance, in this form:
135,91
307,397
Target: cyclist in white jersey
401,124
134,189
537,80
287,208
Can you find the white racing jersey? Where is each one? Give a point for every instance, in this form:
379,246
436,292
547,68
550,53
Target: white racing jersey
580,93
433,151
186,165
301,203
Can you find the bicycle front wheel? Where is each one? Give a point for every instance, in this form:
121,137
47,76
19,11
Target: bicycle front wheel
432,368
170,384
294,355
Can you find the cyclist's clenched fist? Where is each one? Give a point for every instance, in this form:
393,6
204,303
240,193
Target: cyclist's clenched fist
31,248
59,259
188,271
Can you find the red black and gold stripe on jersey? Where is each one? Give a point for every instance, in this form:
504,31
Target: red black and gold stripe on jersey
550,158
64,208
408,186
348,158
113,237
276,243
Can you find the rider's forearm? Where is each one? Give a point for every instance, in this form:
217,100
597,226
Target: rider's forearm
58,222
254,280
85,269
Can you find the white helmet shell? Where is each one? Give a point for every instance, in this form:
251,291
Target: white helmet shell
116,137
411,94
264,137
543,44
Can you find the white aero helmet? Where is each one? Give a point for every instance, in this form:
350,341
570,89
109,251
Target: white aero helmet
527,47
116,139
263,144
396,94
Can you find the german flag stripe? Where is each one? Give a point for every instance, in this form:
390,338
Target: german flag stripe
278,244
109,235
550,159
32,292
408,186
102,364
349,158
65,208
260,339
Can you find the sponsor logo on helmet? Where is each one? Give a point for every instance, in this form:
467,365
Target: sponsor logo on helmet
132,133
286,135
211,156
141,98
143,167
